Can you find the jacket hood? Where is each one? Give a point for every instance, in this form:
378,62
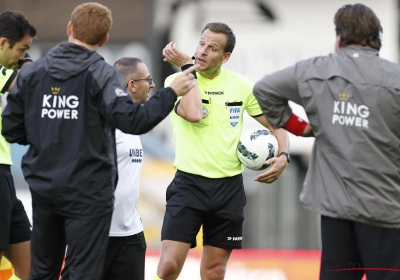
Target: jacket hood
68,60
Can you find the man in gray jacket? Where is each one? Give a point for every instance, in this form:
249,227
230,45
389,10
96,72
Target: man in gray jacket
352,100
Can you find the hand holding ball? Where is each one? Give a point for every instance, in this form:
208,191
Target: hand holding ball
256,146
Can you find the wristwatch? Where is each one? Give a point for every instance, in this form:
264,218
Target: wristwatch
287,156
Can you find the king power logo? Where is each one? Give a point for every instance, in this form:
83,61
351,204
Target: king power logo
55,106
349,114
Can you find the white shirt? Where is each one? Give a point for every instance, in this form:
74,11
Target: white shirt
125,219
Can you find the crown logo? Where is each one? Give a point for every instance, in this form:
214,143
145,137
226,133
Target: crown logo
55,90
344,96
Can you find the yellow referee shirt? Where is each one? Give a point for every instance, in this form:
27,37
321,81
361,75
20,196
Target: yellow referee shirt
208,148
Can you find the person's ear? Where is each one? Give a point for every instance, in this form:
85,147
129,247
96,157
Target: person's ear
337,43
132,87
105,39
70,29
3,43
226,57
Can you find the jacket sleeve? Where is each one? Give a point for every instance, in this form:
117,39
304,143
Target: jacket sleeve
119,111
13,118
273,92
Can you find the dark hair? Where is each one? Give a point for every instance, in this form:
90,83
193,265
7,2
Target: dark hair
219,27
358,24
127,65
14,26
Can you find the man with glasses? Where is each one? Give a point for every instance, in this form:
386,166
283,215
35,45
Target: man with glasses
127,245
149,79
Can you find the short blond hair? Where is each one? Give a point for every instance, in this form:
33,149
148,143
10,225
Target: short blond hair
91,22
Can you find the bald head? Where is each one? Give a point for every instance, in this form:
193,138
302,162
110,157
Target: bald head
137,77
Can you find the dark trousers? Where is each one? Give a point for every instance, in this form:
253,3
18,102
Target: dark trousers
125,258
350,249
87,244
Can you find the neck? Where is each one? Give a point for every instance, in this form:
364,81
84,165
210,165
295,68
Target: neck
2,64
80,43
210,74
356,45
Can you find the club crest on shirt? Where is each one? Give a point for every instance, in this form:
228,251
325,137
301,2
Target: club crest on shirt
205,112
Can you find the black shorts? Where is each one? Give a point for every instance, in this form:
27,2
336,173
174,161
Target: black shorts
350,249
217,204
14,223
125,257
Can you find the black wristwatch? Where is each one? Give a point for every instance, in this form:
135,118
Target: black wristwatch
287,156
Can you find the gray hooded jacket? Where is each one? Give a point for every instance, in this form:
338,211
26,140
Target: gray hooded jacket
352,100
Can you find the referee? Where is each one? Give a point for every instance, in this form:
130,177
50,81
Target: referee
207,190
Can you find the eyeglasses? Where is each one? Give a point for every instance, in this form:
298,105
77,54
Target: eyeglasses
149,79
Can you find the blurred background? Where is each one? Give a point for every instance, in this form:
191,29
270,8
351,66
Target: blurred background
281,238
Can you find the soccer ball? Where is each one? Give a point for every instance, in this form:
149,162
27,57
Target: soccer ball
256,146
